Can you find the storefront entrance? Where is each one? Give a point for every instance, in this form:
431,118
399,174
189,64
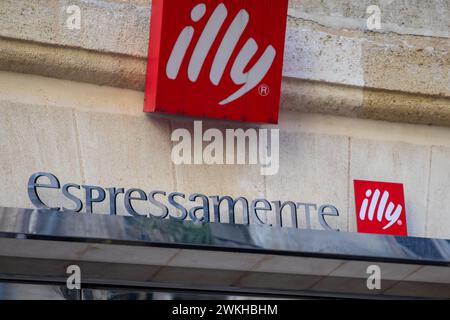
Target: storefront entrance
132,258
35,291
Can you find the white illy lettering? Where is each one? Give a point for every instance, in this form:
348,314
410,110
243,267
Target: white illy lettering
387,213
248,80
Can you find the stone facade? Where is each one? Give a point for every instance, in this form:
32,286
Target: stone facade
356,104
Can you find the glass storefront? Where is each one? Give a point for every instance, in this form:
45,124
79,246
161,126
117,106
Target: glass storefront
32,291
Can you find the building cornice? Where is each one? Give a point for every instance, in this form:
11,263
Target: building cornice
332,63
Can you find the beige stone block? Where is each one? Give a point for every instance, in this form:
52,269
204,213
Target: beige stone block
125,152
219,179
322,55
43,91
113,26
438,222
320,97
393,162
409,66
313,169
382,131
35,139
426,18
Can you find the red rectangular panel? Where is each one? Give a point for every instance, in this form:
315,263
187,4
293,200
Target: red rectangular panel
380,208
219,59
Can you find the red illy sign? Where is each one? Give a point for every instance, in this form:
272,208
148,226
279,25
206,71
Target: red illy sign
219,59
380,208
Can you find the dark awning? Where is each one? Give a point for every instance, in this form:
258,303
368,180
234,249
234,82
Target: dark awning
38,245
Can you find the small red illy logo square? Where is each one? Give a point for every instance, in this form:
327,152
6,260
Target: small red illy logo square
380,208
218,59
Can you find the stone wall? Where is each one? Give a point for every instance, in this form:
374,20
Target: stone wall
356,104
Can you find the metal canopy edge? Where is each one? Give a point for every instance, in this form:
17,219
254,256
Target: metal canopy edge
142,231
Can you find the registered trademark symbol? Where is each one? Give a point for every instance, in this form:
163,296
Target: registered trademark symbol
399,222
264,90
